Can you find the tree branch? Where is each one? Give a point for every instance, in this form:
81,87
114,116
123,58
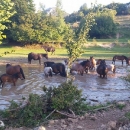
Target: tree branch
66,114
51,113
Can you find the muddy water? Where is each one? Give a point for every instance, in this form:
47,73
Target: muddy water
96,90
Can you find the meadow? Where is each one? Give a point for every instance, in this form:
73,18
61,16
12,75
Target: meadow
96,49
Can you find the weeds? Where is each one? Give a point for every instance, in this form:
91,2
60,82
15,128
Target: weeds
127,115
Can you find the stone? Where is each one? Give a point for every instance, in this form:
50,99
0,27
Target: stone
121,103
62,121
51,122
81,118
112,124
120,128
63,126
93,117
40,128
56,121
79,127
86,115
72,120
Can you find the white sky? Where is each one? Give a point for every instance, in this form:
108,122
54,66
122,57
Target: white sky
73,5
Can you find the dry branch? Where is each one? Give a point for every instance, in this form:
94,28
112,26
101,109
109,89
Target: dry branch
66,114
72,112
101,108
51,113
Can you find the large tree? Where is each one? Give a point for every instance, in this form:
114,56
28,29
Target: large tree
20,28
5,12
105,25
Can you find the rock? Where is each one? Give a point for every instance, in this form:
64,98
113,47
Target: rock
51,122
121,103
109,128
2,124
62,121
72,120
93,117
81,118
120,128
56,121
63,126
79,127
86,115
103,126
112,124
40,128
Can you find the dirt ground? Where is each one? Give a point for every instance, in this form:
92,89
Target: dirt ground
111,118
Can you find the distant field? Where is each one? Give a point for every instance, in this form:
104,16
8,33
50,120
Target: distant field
123,26
96,51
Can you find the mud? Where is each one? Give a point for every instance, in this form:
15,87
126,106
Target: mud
97,90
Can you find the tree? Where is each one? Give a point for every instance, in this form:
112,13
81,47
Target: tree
5,12
84,9
105,25
20,29
76,39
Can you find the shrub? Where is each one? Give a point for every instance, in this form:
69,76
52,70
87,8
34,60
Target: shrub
64,97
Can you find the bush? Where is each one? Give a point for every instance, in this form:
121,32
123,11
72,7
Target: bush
63,98
67,96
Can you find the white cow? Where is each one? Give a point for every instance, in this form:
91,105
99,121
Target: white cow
48,71
111,67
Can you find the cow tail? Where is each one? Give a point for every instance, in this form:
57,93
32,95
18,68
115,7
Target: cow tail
21,70
0,81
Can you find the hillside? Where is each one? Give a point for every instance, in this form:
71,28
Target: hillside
123,26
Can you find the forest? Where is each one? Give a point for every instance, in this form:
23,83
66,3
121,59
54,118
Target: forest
21,24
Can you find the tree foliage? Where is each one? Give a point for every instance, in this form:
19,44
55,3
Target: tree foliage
5,12
105,25
121,9
76,38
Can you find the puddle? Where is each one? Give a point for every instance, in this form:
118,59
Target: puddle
96,90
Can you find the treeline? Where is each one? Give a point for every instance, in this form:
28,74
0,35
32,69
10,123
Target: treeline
26,25
30,26
120,8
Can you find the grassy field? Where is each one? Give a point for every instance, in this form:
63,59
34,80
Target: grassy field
96,51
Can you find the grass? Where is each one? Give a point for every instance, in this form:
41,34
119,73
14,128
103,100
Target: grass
96,51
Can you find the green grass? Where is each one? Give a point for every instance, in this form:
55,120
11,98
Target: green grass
96,51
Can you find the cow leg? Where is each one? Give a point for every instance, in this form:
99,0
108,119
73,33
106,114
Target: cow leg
122,62
40,61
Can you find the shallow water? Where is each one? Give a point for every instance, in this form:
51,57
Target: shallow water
96,90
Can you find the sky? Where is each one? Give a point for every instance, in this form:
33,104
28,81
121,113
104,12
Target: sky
73,5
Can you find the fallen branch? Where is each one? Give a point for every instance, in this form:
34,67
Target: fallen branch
101,108
65,114
51,113
72,112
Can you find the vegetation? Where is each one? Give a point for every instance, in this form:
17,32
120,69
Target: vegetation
65,98
5,12
105,25
27,26
93,50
